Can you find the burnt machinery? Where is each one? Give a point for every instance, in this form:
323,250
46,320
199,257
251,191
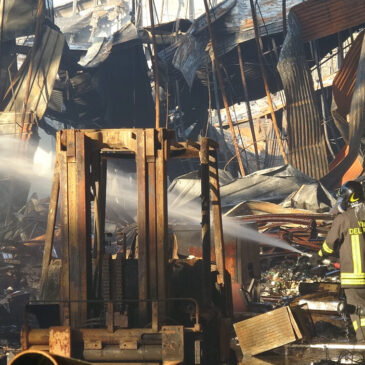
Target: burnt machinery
103,307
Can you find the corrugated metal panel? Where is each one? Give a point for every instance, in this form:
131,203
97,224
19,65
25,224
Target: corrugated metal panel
343,88
319,19
189,52
311,20
306,143
46,61
56,101
344,83
356,112
171,10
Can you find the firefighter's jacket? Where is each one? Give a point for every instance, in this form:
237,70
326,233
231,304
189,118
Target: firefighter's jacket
346,238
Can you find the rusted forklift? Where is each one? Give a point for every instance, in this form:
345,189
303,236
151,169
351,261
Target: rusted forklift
109,308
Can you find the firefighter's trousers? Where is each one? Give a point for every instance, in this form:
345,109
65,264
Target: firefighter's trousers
356,297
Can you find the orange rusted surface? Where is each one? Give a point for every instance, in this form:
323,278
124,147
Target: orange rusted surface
344,82
319,19
60,341
355,169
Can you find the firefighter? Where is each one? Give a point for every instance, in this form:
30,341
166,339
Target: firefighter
346,239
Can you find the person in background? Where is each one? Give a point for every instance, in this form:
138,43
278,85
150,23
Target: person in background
346,240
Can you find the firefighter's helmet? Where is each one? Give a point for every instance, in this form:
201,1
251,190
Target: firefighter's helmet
350,194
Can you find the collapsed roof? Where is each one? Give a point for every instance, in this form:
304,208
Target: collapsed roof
104,79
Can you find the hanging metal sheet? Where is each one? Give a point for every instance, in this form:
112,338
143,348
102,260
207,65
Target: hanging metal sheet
356,113
343,87
308,21
44,68
191,53
306,143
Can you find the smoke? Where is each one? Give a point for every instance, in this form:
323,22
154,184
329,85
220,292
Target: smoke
34,165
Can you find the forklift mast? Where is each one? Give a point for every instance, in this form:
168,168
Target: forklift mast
71,284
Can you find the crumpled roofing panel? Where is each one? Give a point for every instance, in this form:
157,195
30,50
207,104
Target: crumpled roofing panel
319,19
190,54
306,143
236,27
311,20
273,185
356,120
46,60
314,197
343,87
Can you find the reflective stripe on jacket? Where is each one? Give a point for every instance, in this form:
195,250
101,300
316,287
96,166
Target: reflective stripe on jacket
346,238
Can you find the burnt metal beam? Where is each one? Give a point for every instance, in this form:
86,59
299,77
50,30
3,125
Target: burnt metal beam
248,107
266,85
223,91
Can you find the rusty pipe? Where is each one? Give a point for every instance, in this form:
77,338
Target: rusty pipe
37,357
114,353
40,336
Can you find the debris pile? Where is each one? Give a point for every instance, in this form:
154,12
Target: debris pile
21,250
81,64
281,282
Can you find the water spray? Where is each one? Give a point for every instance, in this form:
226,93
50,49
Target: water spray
122,189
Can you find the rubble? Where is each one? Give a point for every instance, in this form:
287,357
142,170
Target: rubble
20,267
87,65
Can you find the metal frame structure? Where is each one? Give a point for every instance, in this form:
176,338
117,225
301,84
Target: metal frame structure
80,179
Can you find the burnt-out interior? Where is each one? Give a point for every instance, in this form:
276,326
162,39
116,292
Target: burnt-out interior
167,180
